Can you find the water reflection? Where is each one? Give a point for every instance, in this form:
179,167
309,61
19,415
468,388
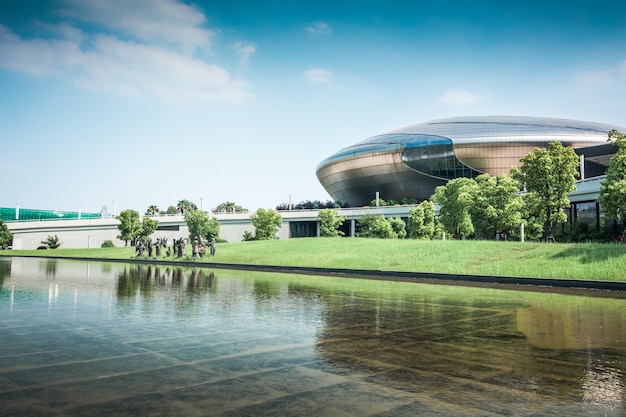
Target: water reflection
96,339
145,280
50,267
5,270
457,344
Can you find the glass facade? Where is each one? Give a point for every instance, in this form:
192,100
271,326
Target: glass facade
434,156
587,213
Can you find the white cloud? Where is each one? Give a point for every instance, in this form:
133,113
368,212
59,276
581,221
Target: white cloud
168,21
62,30
152,56
597,78
319,28
244,50
137,69
603,78
459,96
37,57
317,75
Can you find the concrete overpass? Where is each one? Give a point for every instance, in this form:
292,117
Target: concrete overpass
92,233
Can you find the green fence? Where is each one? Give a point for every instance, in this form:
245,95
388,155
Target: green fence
8,215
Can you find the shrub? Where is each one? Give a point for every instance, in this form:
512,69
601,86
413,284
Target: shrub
51,242
107,244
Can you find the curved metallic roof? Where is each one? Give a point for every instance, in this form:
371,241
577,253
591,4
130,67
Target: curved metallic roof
506,128
509,121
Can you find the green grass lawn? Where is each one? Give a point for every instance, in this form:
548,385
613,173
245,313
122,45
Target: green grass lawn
577,261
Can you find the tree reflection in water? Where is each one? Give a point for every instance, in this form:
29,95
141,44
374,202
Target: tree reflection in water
146,279
183,286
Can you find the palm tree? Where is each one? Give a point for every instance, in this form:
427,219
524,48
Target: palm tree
153,210
229,207
185,205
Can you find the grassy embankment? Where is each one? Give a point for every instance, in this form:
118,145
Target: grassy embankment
576,261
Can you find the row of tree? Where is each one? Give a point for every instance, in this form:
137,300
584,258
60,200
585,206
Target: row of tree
185,206
312,205
422,224
133,228
535,195
181,207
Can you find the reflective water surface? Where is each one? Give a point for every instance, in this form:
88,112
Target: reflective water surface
102,339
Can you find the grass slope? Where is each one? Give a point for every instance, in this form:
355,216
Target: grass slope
577,261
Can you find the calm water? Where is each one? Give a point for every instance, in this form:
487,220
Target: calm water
101,339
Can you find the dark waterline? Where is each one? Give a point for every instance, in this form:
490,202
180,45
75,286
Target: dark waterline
91,338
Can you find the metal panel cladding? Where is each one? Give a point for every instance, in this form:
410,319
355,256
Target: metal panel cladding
411,162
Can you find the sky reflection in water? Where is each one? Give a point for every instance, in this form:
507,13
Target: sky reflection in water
101,339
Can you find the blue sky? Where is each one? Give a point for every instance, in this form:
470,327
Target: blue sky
147,102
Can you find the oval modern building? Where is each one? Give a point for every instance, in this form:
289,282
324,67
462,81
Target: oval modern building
411,162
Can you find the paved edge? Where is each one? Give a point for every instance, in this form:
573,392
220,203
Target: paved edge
430,277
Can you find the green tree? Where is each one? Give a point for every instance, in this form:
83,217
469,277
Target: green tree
549,176
148,226
230,207
171,210
129,226
266,223
330,222
152,210
377,226
200,225
383,203
456,199
613,188
5,236
422,221
498,208
381,228
533,224
364,225
398,226
184,206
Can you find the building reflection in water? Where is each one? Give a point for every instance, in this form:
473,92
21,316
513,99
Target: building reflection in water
554,345
576,324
